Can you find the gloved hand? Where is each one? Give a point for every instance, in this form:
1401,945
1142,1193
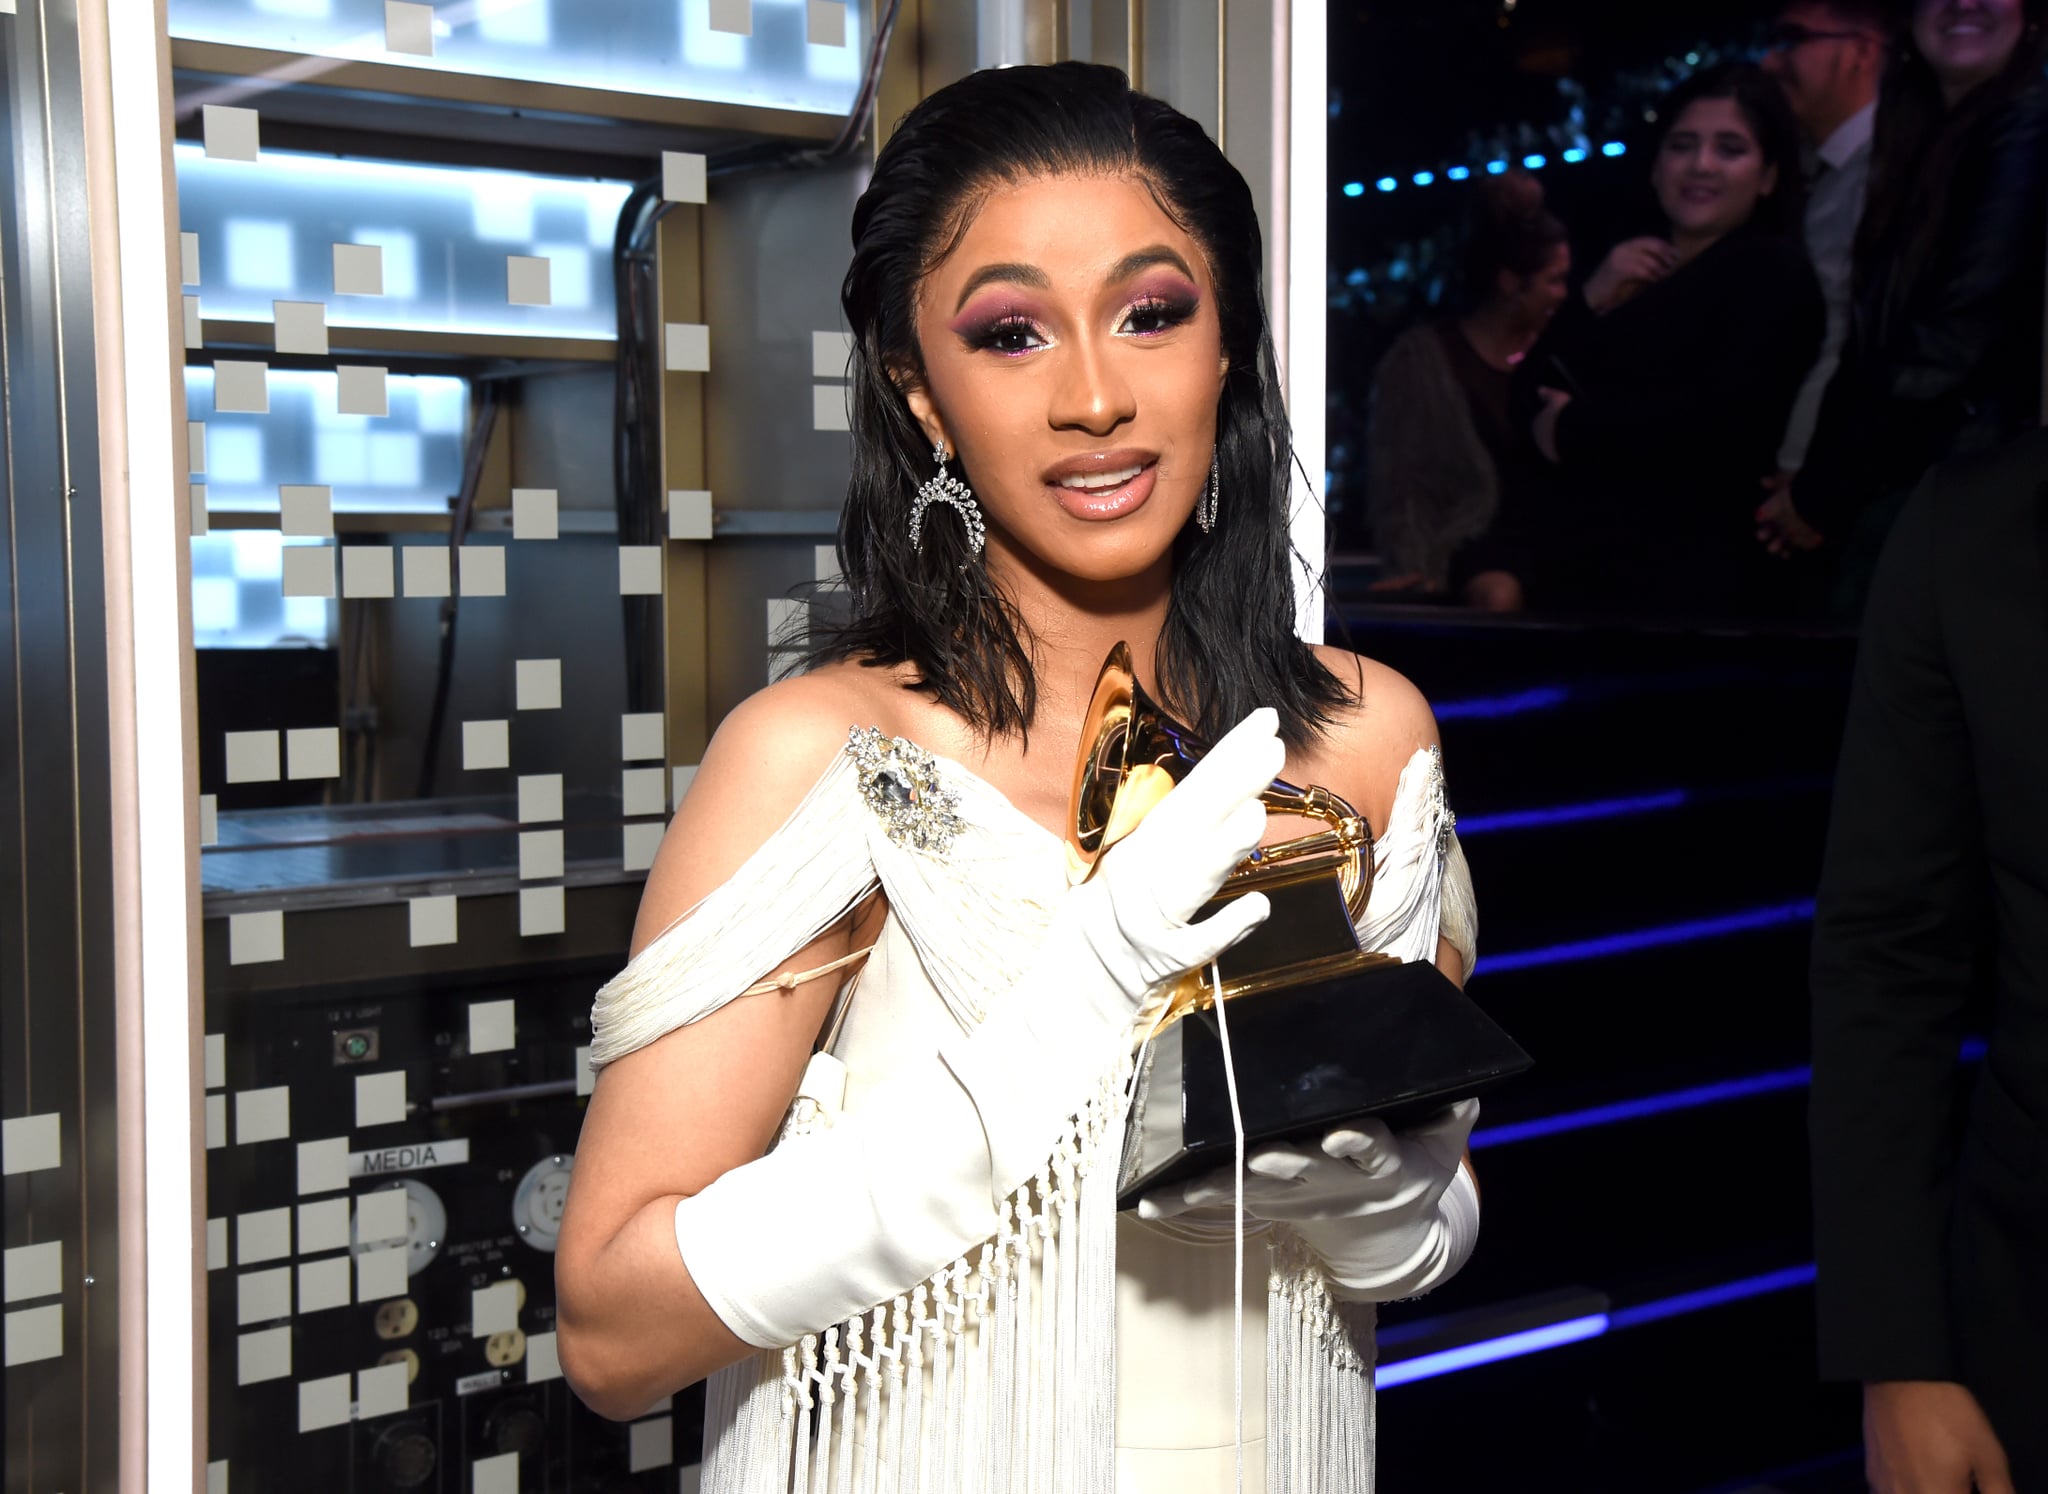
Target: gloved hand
914,1177
1391,1213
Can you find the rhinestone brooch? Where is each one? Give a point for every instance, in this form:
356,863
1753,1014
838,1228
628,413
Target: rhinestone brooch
901,784
1447,822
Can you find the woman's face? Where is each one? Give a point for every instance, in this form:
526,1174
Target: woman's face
1710,173
1536,297
1967,42
1073,359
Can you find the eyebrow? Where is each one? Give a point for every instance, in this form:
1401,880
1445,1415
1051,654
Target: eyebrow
1031,275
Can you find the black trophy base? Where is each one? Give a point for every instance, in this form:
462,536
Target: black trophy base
1398,1041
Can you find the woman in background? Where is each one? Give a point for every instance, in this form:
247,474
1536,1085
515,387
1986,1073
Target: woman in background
1944,353
1447,460
1661,390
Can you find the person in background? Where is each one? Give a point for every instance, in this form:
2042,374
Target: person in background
1445,455
1930,1176
1944,352
1665,384
1829,57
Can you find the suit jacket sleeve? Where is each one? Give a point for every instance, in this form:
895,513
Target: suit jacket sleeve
1896,935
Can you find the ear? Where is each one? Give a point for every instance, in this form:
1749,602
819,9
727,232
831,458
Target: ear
926,414
1768,182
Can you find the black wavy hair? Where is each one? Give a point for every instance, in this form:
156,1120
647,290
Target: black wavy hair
1509,229
1228,644
1770,120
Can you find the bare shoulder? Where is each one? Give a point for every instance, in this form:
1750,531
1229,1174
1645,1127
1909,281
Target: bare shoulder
765,757
1373,738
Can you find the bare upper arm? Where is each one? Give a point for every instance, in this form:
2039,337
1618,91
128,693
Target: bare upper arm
671,1117
1388,722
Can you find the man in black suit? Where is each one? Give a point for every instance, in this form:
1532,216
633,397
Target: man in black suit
1930,1175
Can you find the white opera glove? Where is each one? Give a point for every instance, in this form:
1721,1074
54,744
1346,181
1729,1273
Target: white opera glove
832,1223
1391,1213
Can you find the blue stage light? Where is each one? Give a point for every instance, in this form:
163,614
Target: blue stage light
1490,1350
1386,184
1568,814
1777,915
1647,1105
1575,155
1354,189
1424,178
1495,168
1714,1296
1614,148
1535,162
1484,707
1458,173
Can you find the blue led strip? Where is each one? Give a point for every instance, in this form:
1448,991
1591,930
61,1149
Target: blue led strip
1713,1296
1567,814
1778,915
1543,698
1593,1325
1627,1110
1491,1350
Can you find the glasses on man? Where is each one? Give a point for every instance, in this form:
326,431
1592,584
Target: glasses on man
1788,36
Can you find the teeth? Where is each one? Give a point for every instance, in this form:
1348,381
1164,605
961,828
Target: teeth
1089,482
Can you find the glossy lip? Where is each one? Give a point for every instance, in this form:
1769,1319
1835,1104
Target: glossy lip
1109,503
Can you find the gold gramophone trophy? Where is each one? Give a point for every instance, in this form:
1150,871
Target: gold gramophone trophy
1321,1031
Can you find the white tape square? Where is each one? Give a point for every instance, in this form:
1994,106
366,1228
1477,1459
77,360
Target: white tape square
527,280
483,570
734,16
382,1215
494,1475
689,514
323,1225
831,352
216,1244
408,28
33,1271
263,1296
323,1165
323,1403
34,1334
536,514
830,408
642,791
425,568
256,938
380,1098
188,259
312,752
216,1121
380,1391
639,570
301,326
359,269
494,1309
540,797
309,570
683,179
541,911
640,736
687,347
429,921
209,819
825,23
491,1026
542,1360
537,685
252,756
368,571
214,1061
540,855
263,1114
650,1444
641,843
241,388
324,1284
265,1235
380,1274
684,774
305,510
586,1079
362,390
230,134
486,744
266,1355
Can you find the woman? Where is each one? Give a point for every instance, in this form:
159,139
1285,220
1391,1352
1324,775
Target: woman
1055,300
1660,392
1447,457
1944,352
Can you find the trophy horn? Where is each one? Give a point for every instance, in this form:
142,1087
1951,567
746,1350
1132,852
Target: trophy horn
1131,755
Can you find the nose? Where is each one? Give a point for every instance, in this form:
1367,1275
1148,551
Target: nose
1090,394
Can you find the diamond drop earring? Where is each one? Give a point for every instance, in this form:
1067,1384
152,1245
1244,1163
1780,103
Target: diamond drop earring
1205,506
945,488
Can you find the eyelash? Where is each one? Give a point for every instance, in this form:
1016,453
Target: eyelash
990,336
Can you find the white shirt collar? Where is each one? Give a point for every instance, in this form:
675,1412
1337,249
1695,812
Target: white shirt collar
1850,136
